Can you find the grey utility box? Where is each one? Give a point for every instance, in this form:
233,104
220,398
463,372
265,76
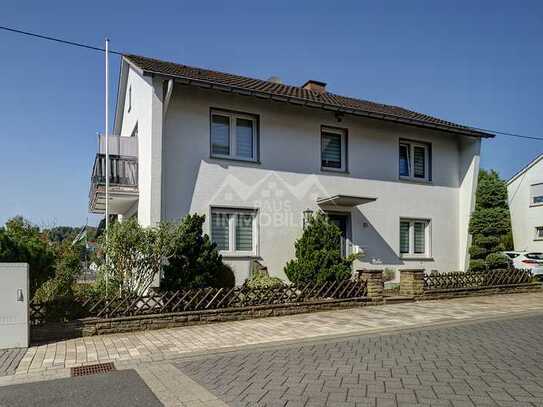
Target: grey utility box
14,307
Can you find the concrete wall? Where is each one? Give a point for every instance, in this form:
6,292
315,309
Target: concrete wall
14,292
525,216
289,179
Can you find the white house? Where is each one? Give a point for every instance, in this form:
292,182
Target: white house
525,194
257,157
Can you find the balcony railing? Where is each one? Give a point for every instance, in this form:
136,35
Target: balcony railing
123,171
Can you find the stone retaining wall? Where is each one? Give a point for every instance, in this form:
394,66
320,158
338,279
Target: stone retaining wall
475,292
99,326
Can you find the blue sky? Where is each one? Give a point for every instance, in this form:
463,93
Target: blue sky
474,62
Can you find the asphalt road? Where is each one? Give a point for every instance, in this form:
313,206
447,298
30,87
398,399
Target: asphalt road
494,363
120,388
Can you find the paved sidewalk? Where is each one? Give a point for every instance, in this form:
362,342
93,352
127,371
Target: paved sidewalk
132,349
9,360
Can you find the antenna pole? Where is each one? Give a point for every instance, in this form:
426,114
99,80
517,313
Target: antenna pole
107,151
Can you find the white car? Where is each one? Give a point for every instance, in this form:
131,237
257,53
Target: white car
532,261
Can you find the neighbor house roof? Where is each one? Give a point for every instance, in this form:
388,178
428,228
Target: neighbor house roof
294,94
526,168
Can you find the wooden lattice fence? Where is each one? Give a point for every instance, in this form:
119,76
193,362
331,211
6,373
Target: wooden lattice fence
197,299
471,280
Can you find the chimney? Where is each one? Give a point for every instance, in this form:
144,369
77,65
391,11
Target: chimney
275,79
315,86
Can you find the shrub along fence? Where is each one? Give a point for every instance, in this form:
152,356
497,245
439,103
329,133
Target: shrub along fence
70,317
198,299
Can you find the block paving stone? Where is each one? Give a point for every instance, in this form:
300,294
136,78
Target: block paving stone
492,363
9,360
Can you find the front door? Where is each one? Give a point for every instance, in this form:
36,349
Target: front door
341,221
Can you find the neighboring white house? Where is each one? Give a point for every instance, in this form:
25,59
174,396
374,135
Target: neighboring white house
257,157
525,192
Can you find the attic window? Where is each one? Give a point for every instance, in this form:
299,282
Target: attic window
129,98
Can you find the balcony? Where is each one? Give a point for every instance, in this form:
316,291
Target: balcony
123,176
121,146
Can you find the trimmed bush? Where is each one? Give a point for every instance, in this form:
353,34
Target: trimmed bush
485,241
477,265
477,252
490,221
497,261
261,279
318,254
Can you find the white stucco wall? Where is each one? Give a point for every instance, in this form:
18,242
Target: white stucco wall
146,112
468,172
524,216
288,179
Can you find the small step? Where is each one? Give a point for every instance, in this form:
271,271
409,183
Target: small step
397,299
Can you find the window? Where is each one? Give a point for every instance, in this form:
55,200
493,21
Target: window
536,194
234,231
414,161
333,149
539,233
415,237
233,135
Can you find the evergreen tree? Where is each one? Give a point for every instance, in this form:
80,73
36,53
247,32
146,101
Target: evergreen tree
490,223
196,261
318,254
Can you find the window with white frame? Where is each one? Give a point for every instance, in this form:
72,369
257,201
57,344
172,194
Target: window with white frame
536,194
333,149
234,135
234,231
415,237
539,233
414,160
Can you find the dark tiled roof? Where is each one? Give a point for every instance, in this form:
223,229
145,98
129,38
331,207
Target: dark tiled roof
295,94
